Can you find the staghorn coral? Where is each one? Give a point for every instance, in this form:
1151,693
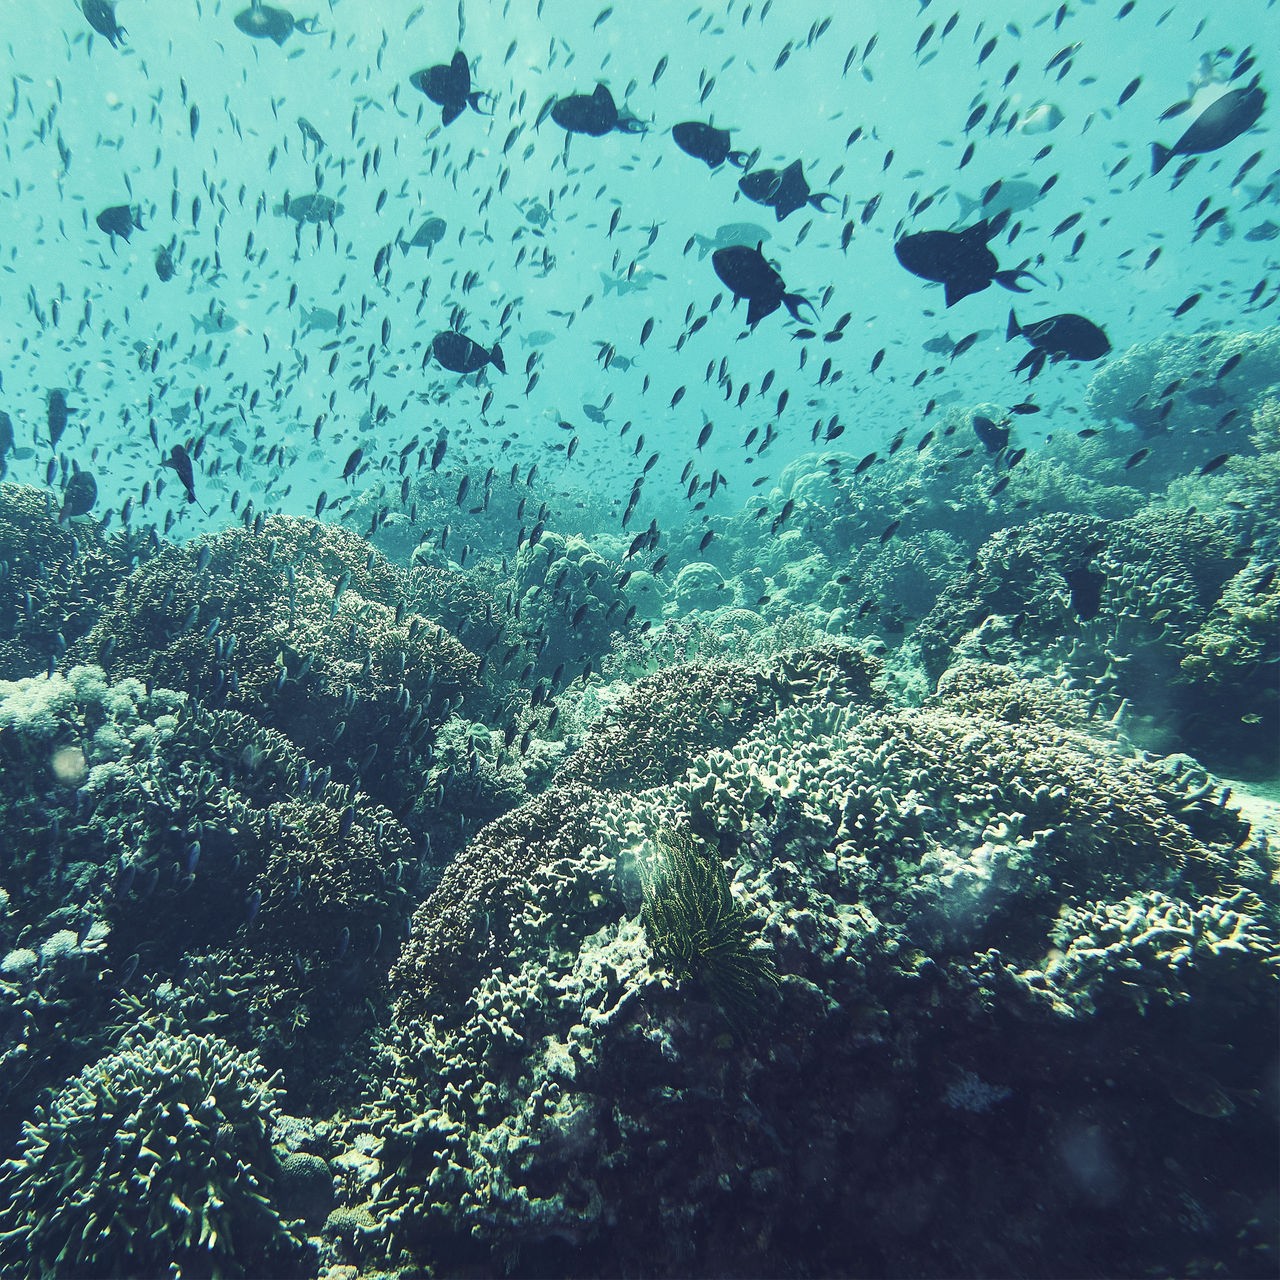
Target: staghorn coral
155,1158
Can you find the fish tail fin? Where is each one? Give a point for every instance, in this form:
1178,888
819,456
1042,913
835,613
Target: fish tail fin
1160,156
1009,280
818,197
793,302
757,309
968,206
496,358
403,243
703,245
739,159
1014,328
475,99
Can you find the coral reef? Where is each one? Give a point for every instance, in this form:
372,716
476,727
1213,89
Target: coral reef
300,626
976,923
156,1157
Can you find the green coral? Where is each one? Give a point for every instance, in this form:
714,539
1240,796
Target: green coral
157,1159
697,929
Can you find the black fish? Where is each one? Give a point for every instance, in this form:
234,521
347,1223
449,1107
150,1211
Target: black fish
458,353
593,114
6,438
1066,336
426,237
958,260
57,416
79,496
120,220
180,460
994,435
263,22
782,190
707,143
448,85
746,274
310,208
101,16
1222,121
164,263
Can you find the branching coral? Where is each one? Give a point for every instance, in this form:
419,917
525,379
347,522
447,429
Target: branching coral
157,1157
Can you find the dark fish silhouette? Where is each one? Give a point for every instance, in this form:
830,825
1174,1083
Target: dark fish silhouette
458,353
6,439
120,220
58,413
79,496
782,190
706,143
1067,336
448,85
593,114
164,263
994,435
263,22
180,460
310,135
746,274
1222,121
958,260
101,16
310,208
426,237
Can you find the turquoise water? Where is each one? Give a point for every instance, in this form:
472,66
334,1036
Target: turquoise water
670,796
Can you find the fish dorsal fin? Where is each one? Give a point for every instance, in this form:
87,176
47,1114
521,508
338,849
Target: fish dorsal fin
979,233
793,169
602,94
459,63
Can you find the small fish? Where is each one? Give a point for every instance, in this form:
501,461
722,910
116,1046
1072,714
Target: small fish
1214,463
1221,122
747,275
1135,459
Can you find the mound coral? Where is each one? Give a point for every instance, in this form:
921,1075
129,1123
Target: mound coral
300,626
941,898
